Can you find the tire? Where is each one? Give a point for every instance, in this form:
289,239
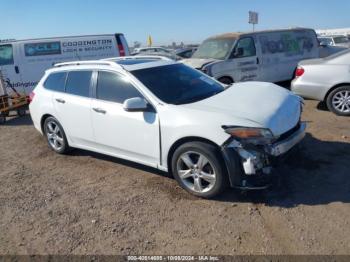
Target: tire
338,101
226,80
55,136
21,112
2,119
204,181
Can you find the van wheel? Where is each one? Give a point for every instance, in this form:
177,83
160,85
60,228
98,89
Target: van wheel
338,101
2,119
21,112
198,168
55,136
226,80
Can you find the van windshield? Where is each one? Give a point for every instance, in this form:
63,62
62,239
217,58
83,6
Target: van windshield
215,48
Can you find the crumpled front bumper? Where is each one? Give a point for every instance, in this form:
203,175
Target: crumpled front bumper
250,167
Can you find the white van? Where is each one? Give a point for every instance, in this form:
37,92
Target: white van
23,62
270,56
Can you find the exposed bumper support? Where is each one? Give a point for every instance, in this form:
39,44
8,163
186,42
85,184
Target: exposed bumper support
250,167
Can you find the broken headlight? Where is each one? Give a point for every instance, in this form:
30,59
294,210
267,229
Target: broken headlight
256,136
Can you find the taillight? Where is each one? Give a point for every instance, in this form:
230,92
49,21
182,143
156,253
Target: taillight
299,72
121,50
31,97
120,45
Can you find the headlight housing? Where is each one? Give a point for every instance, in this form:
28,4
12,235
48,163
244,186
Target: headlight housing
256,136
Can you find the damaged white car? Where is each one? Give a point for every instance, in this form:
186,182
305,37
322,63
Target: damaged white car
169,116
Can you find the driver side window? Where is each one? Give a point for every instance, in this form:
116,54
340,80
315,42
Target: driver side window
114,87
244,48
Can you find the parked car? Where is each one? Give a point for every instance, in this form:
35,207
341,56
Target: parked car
327,80
185,52
23,62
155,51
164,114
270,56
336,40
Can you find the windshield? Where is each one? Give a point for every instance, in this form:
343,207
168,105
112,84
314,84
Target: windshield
215,48
178,84
340,39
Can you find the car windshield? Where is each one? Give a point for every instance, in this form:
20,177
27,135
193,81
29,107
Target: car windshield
340,39
178,84
215,48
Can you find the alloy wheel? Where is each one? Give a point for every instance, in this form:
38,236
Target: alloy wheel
341,101
54,135
196,172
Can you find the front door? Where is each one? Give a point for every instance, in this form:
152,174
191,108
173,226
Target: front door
245,61
9,67
129,135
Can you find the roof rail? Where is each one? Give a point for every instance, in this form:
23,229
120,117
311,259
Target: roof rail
91,62
114,59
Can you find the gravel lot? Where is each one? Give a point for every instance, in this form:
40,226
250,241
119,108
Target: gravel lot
87,203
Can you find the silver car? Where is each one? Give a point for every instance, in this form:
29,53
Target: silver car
326,79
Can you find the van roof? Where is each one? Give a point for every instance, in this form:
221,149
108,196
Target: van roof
238,34
51,38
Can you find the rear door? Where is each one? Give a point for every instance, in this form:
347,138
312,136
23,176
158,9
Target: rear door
73,108
10,67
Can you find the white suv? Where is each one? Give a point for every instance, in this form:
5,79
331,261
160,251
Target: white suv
164,114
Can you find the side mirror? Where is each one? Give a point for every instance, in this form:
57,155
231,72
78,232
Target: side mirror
239,52
135,104
323,44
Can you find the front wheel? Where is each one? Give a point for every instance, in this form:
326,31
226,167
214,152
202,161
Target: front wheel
198,168
55,136
338,101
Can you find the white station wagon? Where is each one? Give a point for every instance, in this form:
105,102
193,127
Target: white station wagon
164,114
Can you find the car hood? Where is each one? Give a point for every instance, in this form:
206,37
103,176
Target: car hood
266,104
198,63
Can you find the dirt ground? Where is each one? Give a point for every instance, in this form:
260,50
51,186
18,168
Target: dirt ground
87,203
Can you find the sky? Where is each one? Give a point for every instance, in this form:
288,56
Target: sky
167,21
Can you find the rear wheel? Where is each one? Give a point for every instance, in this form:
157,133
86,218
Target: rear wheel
21,112
198,168
338,101
2,119
55,136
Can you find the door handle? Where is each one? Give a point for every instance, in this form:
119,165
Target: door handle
59,100
17,69
99,110
257,60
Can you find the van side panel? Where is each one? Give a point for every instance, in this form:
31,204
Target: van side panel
281,51
37,55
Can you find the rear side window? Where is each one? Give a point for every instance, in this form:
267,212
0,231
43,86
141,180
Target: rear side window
78,83
114,87
56,81
38,49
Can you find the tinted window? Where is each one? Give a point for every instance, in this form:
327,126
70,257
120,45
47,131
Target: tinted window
245,48
113,87
6,55
178,84
48,48
56,81
78,83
